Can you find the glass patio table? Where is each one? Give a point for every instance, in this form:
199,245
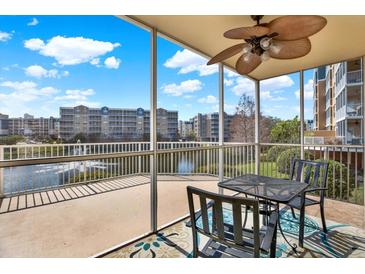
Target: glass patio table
275,190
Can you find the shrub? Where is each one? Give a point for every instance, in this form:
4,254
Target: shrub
334,180
273,153
287,156
11,140
357,196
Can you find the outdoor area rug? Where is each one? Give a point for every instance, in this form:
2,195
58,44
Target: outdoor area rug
341,241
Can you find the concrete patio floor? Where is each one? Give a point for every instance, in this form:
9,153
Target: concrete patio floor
82,227
78,222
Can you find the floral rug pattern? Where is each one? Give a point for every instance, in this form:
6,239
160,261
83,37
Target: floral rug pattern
341,241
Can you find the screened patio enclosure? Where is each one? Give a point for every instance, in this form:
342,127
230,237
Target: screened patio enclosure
136,189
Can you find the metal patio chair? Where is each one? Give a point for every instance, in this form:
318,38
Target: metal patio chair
229,239
314,174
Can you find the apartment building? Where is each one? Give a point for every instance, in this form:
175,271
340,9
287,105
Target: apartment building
337,102
348,100
28,125
4,124
330,109
186,128
206,126
116,123
319,98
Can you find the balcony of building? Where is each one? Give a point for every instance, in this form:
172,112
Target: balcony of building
354,101
354,131
354,72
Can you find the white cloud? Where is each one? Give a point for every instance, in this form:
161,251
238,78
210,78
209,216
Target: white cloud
17,98
5,36
40,72
276,83
73,97
34,22
243,85
26,85
187,61
21,94
308,90
188,86
71,50
230,73
8,68
210,99
112,62
228,82
34,44
229,108
265,95
269,89
76,94
268,95
95,62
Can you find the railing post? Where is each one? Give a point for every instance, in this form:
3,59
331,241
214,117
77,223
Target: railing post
301,110
139,159
221,126
171,170
208,161
153,130
257,127
363,124
1,172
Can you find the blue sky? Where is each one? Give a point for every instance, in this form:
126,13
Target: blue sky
52,61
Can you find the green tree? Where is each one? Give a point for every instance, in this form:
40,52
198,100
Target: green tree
11,139
191,136
287,131
79,137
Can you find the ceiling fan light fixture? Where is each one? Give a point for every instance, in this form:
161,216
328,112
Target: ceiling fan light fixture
247,57
265,43
275,48
265,56
247,49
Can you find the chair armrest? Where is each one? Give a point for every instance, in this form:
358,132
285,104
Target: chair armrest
270,232
198,214
311,189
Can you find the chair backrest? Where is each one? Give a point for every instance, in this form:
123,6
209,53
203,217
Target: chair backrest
217,228
310,172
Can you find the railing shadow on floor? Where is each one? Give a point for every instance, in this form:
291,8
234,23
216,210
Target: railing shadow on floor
76,191
67,193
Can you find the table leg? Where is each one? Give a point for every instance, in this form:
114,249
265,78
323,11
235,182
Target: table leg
293,246
265,211
301,219
274,241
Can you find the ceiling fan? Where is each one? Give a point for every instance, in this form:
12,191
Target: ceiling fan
285,37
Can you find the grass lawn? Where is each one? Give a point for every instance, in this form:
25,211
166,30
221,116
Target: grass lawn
266,169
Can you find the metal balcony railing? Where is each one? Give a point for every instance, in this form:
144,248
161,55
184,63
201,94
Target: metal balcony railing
32,168
354,109
354,77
